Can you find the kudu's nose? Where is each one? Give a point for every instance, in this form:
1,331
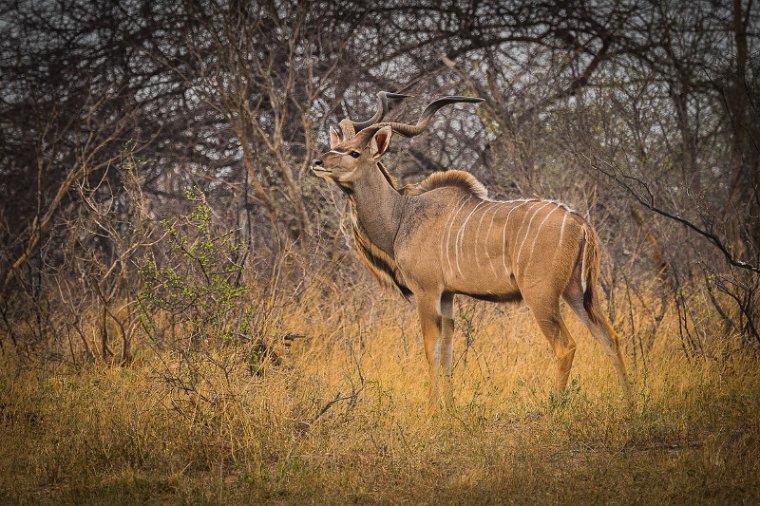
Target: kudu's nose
317,162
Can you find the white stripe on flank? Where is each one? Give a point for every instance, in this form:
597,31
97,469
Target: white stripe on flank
538,232
445,243
488,236
443,236
561,235
477,233
504,235
562,229
460,237
527,230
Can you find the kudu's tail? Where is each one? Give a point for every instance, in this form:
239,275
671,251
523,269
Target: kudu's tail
599,325
590,271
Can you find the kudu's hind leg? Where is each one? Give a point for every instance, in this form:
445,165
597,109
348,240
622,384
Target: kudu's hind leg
603,332
550,321
436,317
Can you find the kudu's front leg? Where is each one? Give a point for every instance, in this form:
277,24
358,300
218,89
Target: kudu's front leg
437,319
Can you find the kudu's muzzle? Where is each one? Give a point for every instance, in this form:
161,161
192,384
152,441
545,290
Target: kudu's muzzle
318,167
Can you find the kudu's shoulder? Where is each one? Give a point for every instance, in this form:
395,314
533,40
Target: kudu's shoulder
452,178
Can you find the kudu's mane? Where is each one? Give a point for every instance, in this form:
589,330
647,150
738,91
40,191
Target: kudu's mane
456,178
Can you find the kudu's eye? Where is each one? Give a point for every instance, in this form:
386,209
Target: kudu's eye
355,154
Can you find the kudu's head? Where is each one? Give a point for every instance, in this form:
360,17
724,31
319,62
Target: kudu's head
352,154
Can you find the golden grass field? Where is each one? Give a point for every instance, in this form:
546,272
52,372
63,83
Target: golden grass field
112,435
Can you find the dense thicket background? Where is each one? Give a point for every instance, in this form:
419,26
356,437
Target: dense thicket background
146,146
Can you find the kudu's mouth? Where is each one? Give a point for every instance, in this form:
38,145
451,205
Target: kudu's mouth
320,170
318,167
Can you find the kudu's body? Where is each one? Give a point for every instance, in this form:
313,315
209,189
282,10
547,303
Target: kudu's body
444,237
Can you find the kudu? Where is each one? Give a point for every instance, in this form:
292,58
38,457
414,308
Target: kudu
444,236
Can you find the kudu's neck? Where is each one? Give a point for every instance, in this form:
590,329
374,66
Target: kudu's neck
378,208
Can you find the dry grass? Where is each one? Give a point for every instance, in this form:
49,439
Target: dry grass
122,435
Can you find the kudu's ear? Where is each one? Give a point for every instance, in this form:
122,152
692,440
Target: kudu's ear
335,138
380,142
